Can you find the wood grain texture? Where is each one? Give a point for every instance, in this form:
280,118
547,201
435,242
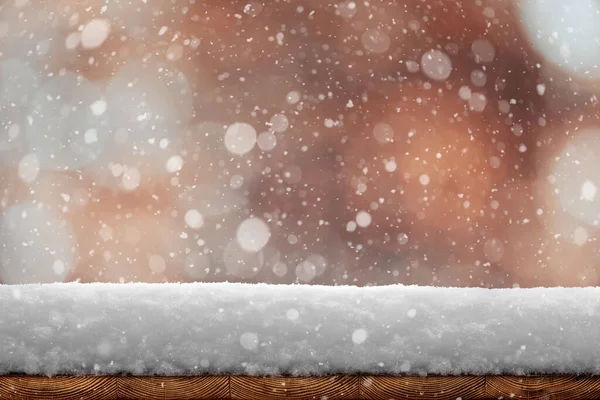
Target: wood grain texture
181,388
544,387
134,387
414,387
59,387
329,387
333,387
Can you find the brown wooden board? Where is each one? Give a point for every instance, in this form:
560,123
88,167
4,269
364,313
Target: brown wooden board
330,387
544,387
413,387
198,387
60,387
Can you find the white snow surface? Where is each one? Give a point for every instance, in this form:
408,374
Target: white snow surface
247,329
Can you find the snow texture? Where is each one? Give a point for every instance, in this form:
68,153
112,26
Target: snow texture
224,328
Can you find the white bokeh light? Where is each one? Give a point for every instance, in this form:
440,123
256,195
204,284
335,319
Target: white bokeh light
174,164
18,82
149,104
483,50
576,178
266,141
253,234
193,219
319,262
436,65
376,41
63,131
31,32
240,138
279,123
249,340
144,93
383,132
588,191
37,246
292,314
131,179
359,336
306,271
156,263
565,33
29,168
363,219
94,33
149,101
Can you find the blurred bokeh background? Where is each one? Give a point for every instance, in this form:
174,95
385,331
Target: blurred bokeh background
430,142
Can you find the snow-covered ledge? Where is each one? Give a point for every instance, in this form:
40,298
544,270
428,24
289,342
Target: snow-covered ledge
225,328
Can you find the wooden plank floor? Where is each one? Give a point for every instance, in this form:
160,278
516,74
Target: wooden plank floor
332,387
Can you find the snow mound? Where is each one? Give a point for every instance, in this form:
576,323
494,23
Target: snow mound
224,328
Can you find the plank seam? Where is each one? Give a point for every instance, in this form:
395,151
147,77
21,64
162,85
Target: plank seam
486,387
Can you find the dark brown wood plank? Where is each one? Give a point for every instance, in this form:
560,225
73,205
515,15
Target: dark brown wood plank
544,387
59,387
183,388
331,387
334,387
198,387
414,387
141,387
